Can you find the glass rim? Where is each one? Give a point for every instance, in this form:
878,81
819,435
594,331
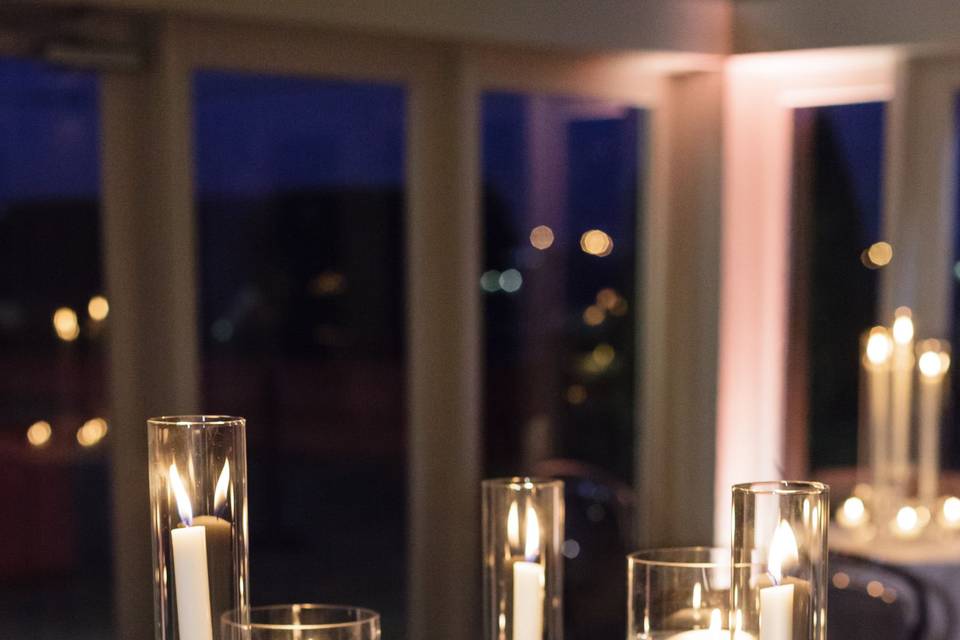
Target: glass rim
365,617
521,482
783,487
650,557
197,420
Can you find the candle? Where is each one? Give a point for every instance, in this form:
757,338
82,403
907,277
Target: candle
902,392
876,372
528,576
714,632
933,364
852,514
777,601
202,562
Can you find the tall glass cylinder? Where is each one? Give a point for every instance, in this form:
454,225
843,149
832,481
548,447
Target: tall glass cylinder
522,566
301,622
679,594
779,559
198,507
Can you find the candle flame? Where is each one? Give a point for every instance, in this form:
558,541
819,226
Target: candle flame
934,361
715,620
783,551
531,547
697,598
183,500
223,485
903,326
513,527
879,346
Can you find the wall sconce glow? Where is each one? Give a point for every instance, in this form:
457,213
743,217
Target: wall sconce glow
878,255
903,326
65,324
39,433
92,432
98,308
510,281
541,237
596,243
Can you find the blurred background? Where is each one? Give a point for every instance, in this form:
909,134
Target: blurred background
415,247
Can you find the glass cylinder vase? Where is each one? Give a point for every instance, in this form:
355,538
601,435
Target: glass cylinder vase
679,594
779,559
198,507
522,566
301,622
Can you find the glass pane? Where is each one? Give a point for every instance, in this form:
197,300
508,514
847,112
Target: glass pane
560,206
55,573
301,210
838,189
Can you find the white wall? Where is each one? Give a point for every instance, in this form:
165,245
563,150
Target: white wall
776,25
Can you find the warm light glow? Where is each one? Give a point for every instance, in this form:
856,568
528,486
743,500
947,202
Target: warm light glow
183,500
531,547
513,526
933,362
541,237
39,433
875,588
576,394
596,243
223,485
841,580
951,511
328,283
878,255
92,432
65,324
783,551
907,519
98,308
903,326
716,621
852,512
696,600
879,346
603,355
608,298
593,315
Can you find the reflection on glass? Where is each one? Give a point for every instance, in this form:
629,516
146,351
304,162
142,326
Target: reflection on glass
838,251
300,204
560,203
54,491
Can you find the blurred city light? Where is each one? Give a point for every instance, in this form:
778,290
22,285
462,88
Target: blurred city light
541,237
92,432
65,324
490,281
98,308
603,355
607,298
328,283
38,434
576,394
877,255
596,243
593,315
511,280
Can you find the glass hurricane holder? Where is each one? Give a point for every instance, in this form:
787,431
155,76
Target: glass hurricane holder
198,508
522,567
779,559
301,622
679,594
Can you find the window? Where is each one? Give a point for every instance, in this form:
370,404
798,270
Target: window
54,482
560,209
301,211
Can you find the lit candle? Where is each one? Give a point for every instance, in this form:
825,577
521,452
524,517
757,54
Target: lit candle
933,364
202,563
852,514
901,395
528,576
777,601
876,371
715,631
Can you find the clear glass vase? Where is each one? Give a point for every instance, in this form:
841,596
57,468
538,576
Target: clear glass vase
198,509
301,622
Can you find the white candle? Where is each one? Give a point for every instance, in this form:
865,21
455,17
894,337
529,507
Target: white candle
900,401
190,577
776,602
714,632
528,577
933,364
876,371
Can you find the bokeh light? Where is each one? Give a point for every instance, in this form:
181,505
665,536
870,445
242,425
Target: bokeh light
92,432
541,237
65,324
593,316
98,308
596,243
39,433
511,280
878,255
